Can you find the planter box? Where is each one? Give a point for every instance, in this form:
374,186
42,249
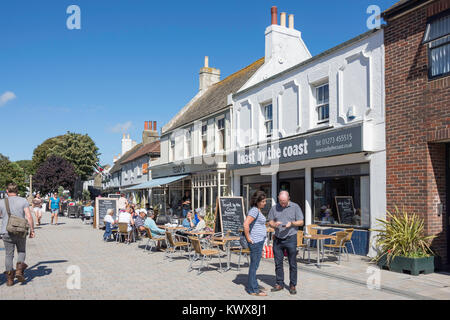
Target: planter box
413,266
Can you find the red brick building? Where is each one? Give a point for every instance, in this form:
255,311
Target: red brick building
417,62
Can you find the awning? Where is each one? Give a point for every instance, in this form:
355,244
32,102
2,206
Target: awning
156,182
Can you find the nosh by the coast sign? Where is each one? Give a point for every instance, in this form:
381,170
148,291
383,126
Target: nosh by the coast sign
331,143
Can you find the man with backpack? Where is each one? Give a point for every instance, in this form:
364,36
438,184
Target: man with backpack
16,220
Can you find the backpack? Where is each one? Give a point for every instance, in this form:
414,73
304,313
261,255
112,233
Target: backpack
16,226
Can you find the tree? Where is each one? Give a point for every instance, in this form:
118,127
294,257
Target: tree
53,173
11,172
80,150
27,166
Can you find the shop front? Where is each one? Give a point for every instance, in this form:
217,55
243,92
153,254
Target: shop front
340,185
205,181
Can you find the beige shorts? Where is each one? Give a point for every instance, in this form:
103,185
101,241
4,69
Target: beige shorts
37,210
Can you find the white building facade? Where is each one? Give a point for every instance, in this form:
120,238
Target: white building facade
316,128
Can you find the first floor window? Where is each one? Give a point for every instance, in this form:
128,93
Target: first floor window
172,148
268,120
221,133
188,142
437,36
204,138
322,103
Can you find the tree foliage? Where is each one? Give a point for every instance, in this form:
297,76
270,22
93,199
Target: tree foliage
80,150
27,166
53,173
11,172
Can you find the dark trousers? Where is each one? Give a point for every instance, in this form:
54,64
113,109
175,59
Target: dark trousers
279,245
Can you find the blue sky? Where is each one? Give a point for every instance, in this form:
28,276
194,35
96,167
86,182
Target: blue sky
135,60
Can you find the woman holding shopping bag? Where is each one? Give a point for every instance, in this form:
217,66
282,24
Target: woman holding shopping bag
255,233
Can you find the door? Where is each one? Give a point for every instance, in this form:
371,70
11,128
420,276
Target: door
447,196
296,189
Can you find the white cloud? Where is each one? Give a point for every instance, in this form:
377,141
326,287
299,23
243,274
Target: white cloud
5,97
121,127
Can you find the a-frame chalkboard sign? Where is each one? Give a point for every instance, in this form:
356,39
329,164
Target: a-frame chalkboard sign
229,216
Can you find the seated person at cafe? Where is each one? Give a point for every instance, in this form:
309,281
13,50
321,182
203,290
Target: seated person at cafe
328,217
196,219
125,217
88,212
139,222
110,224
356,219
189,222
201,225
151,224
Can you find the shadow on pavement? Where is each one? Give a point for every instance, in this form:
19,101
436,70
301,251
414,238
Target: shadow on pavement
38,270
268,280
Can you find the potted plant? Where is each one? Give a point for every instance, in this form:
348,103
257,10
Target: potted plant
403,245
209,217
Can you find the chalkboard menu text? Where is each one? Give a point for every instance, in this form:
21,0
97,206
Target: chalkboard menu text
230,216
101,206
345,209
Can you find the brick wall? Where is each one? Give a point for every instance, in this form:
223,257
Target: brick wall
417,124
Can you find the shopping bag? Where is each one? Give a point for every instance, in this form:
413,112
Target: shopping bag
268,252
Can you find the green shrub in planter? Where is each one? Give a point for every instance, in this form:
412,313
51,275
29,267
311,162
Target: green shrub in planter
402,244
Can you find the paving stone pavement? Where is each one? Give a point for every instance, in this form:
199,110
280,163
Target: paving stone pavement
121,271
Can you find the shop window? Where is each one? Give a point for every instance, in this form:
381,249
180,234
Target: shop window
251,184
268,120
221,133
322,103
437,36
348,185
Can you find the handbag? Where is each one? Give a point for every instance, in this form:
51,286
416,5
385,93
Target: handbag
16,225
242,239
267,251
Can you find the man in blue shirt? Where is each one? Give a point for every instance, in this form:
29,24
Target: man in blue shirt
188,222
55,207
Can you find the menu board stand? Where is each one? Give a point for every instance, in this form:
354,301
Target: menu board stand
229,216
101,207
345,209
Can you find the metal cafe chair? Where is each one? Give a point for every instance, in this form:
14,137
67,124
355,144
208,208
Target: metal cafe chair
204,254
339,244
152,240
172,245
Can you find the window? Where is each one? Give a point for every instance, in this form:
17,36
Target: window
221,133
342,195
172,148
437,36
322,103
188,142
268,120
204,138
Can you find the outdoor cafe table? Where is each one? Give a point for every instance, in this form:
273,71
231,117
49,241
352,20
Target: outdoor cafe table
320,238
227,240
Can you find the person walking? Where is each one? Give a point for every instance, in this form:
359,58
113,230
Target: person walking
55,207
37,208
19,207
285,217
255,233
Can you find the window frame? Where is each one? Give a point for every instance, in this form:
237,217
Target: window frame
264,107
428,45
317,105
204,138
223,129
172,148
188,142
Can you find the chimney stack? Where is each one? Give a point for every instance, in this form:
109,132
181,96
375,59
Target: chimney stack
291,21
283,19
274,14
208,76
150,135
